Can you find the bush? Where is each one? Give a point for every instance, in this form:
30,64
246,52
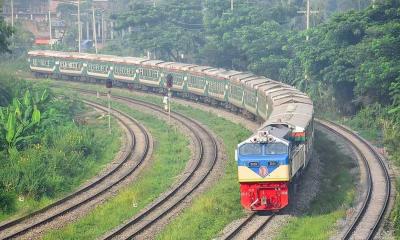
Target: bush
43,151
7,201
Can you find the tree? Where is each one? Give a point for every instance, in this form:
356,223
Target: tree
5,34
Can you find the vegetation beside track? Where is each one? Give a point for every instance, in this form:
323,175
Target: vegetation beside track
335,196
217,207
170,155
44,151
376,124
220,205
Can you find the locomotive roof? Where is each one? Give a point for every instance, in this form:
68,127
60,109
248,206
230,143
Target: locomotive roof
297,115
279,131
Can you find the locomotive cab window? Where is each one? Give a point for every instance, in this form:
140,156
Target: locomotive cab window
250,149
276,148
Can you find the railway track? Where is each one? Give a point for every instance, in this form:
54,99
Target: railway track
134,154
249,227
370,214
206,159
365,224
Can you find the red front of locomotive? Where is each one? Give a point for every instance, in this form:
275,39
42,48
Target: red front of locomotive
264,196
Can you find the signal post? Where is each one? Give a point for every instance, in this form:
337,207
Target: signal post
170,82
109,86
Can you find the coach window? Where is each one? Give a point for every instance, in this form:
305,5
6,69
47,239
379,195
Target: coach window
250,149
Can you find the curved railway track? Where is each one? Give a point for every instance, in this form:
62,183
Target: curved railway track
192,179
365,224
249,227
134,154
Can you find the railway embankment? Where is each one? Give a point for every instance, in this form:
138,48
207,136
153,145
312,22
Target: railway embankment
322,230
336,194
49,146
171,154
219,205
205,210
373,125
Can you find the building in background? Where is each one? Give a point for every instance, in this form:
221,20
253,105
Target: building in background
34,16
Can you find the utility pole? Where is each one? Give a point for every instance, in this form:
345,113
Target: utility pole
232,5
154,3
94,29
102,27
79,27
12,13
50,35
308,12
373,3
109,110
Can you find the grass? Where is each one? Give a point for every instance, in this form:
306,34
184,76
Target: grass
170,156
92,167
336,194
46,161
220,205
213,210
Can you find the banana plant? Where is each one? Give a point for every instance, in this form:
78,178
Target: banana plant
17,119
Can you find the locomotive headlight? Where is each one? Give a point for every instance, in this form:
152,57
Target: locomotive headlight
162,74
273,163
185,78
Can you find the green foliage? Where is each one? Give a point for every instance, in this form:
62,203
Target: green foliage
18,126
7,201
5,33
212,211
335,196
396,211
348,63
43,153
170,155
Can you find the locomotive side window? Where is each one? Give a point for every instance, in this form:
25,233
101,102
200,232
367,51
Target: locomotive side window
276,148
250,149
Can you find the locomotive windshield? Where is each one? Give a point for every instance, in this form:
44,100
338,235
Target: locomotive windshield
276,148
257,149
250,149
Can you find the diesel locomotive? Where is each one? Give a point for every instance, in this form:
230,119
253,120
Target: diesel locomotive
268,162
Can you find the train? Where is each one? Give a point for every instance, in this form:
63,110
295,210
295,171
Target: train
269,162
